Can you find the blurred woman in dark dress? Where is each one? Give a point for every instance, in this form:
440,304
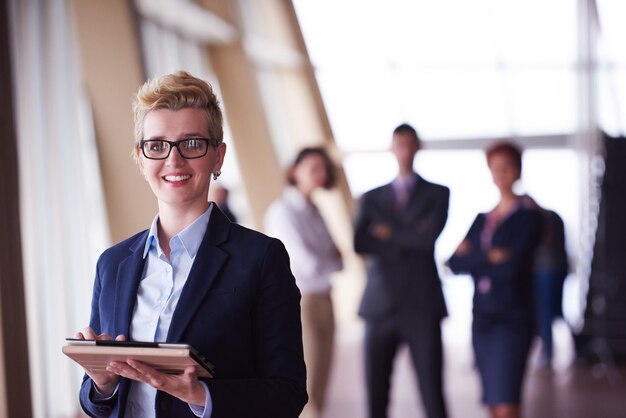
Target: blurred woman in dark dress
498,253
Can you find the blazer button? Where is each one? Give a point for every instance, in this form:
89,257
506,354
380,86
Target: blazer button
165,404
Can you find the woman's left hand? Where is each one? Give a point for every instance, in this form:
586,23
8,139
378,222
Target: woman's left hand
185,387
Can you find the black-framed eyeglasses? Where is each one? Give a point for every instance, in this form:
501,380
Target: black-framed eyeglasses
189,148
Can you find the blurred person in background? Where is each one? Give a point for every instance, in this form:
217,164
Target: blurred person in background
396,228
219,195
498,253
194,277
551,269
296,221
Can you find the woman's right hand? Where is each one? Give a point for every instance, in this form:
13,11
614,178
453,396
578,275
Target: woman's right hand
498,255
105,382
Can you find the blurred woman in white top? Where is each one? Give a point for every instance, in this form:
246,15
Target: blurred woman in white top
296,221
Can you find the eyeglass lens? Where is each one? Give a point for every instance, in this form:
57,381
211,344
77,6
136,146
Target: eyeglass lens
188,148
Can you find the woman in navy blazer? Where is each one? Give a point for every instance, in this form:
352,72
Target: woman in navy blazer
197,278
498,253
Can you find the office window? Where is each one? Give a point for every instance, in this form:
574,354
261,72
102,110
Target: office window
612,66
455,68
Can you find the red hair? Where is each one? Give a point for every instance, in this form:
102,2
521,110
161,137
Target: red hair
509,150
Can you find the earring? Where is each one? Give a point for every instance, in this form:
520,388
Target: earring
216,174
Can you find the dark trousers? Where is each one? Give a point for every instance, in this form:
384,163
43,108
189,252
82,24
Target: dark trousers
423,337
548,296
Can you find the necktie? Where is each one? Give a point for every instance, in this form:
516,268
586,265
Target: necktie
402,197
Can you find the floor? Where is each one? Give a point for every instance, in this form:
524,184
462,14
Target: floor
568,390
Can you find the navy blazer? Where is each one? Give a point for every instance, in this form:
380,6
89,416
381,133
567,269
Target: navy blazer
510,292
240,307
402,273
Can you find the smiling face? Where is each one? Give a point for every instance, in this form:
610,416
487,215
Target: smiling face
180,184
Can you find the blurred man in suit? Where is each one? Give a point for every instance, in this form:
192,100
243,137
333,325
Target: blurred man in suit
396,228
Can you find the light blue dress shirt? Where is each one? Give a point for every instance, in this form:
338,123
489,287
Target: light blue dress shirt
161,284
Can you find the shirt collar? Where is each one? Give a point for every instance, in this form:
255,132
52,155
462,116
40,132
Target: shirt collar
407,182
153,239
190,237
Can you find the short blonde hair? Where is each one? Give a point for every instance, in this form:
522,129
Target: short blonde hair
176,91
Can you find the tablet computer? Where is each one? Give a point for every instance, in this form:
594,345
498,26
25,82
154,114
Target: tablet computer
165,357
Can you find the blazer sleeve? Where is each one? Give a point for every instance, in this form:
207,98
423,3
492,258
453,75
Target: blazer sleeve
521,249
418,237
421,235
364,242
527,230
91,407
279,389
475,257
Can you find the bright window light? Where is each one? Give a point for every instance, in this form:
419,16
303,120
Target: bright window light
454,68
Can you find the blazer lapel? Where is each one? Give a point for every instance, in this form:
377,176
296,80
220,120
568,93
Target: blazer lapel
128,277
388,199
416,198
209,261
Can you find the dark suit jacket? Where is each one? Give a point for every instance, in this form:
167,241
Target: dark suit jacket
240,307
510,293
402,274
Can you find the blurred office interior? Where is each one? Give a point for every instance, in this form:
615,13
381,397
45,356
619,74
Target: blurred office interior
548,75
